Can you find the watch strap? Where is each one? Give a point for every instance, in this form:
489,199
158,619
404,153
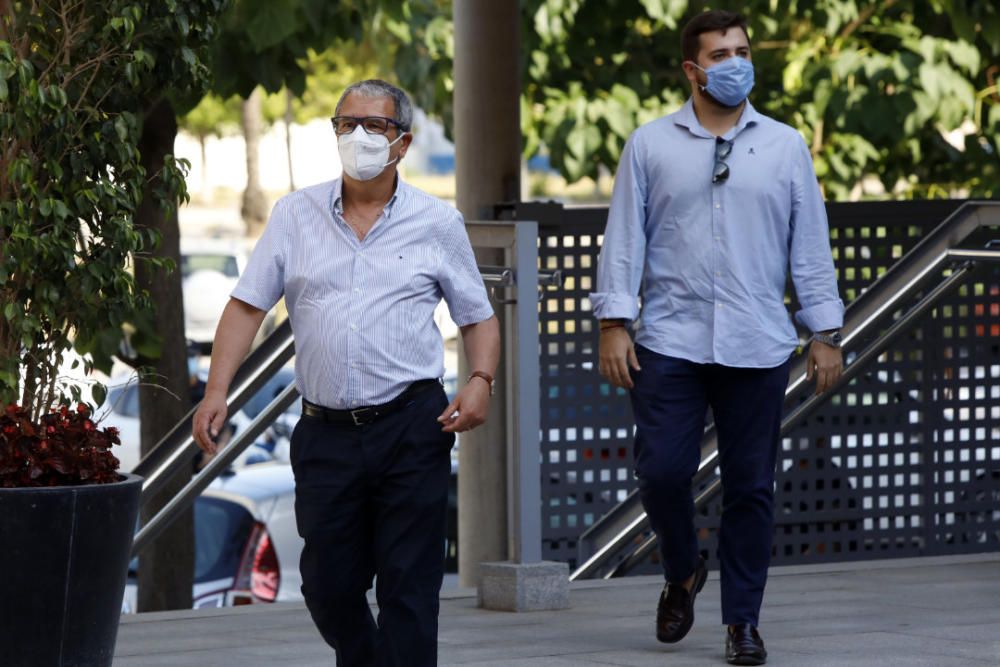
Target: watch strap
484,376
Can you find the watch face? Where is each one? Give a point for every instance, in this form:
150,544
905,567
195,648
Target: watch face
833,339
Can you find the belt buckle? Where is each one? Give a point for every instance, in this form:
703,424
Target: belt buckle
357,415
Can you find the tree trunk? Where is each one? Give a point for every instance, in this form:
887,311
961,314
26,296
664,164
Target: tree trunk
202,140
254,209
166,567
288,138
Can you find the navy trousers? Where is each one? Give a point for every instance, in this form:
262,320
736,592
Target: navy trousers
670,398
371,501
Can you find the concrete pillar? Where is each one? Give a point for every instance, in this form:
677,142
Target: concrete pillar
487,171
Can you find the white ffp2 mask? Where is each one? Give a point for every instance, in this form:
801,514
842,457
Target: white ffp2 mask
364,155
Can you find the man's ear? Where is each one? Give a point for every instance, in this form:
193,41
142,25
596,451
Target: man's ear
690,71
406,140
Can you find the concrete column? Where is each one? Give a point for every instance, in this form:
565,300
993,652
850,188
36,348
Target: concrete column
487,171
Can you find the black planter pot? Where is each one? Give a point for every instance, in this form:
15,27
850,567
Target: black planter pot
64,554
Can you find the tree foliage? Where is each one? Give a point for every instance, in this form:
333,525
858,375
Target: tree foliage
874,86
213,116
268,42
328,72
73,77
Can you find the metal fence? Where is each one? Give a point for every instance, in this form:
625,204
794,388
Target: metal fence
904,461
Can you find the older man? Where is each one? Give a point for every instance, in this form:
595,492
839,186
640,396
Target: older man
362,262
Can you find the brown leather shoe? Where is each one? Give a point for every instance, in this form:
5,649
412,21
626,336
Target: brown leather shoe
744,645
675,611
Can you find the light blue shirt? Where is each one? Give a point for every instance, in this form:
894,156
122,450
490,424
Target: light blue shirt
710,261
362,311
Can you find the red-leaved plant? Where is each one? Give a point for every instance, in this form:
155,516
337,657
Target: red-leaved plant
65,447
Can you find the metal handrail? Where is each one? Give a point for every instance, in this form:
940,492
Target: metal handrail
852,370
619,528
215,467
178,449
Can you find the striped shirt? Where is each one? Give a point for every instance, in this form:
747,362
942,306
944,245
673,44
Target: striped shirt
362,312
710,261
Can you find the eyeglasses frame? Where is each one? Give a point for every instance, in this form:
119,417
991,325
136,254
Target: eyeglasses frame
360,120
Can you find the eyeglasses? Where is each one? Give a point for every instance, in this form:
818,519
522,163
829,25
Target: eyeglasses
370,124
720,172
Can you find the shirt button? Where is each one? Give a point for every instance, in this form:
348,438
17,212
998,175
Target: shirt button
354,327
718,305
354,364
718,274
357,290
718,238
718,206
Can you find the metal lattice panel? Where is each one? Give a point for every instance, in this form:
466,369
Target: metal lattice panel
586,423
901,462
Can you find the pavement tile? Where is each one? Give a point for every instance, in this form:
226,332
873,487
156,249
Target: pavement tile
938,612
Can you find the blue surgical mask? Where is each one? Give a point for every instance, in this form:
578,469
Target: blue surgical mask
730,81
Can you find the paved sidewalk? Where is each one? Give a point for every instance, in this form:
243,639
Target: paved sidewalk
938,612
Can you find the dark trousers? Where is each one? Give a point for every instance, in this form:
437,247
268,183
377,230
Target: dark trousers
670,399
370,501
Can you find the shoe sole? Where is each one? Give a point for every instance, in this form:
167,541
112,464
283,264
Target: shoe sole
746,660
682,633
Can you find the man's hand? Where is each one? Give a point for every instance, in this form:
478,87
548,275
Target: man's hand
825,364
471,405
617,354
208,421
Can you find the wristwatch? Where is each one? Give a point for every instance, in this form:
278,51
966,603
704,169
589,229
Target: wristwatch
832,339
483,375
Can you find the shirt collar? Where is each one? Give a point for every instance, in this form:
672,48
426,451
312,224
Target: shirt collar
686,118
337,196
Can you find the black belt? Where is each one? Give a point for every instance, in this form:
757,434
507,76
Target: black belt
367,414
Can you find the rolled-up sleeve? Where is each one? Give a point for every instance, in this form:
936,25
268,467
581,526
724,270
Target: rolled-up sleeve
459,277
810,258
620,265
263,280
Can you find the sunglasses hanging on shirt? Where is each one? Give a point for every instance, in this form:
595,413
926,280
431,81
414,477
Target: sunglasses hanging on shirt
720,172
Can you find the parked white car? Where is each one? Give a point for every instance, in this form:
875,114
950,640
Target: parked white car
246,541
246,544
210,269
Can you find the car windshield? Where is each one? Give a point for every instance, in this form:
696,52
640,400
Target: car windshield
224,264
221,530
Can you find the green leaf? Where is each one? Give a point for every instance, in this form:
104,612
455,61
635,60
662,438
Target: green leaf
99,393
965,55
667,11
121,129
274,21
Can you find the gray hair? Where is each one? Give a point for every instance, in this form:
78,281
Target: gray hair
380,88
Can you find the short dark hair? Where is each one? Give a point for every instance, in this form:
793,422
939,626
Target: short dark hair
710,21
